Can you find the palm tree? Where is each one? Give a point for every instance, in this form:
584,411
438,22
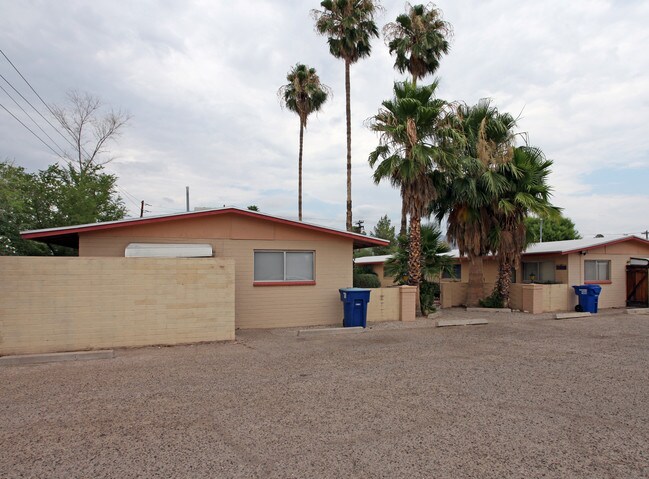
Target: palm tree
527,191
467,197
418,38
303,94
349,26
412,128
433,260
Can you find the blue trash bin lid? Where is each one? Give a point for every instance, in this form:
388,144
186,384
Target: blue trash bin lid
581,290
594,289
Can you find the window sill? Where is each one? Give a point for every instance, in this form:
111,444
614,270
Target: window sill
283,283
604,281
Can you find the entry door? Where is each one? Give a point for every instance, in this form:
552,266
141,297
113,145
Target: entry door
637,288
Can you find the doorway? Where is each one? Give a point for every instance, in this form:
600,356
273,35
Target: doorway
637,286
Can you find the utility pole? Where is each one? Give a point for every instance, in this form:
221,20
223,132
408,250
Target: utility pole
360,227
142,210
646,234
541,230
187,196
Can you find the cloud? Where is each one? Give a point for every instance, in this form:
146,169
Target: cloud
200,79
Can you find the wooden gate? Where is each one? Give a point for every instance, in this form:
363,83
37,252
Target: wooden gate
637,287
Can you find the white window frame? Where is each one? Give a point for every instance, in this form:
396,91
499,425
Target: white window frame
597,261
280,281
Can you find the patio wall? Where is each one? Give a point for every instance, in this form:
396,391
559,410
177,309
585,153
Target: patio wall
391,304
454,293
533,298
69,304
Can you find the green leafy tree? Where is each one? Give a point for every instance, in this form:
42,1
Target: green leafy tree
303,94
54,197
554,229
384,230
16,190
412,155
253,208
349,26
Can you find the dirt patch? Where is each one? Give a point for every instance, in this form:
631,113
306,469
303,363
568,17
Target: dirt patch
524,396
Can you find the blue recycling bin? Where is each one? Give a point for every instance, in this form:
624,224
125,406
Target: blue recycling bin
355,306
588,295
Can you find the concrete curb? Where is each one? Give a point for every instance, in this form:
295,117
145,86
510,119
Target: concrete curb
460,322
571,315
20,360
638,311
329,331
488,310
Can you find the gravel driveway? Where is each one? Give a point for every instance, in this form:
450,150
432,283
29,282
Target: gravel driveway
520,397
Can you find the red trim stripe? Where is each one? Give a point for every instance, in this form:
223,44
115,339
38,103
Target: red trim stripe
284,283
369,240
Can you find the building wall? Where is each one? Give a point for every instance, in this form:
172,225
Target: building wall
384,305
69,304
237,238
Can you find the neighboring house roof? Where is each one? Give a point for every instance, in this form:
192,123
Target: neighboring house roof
550,247
69,235
575,246
373,259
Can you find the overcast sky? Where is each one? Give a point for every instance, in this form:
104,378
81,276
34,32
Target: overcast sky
200,80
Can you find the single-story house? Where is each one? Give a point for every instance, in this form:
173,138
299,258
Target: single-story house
287,272
618,264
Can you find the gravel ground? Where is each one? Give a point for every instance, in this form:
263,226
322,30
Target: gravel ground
521,397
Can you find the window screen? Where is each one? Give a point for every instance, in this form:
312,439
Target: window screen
283,266
597,270
455,273
299,266
543,271
269,266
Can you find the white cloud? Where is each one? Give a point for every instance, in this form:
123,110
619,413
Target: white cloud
200,80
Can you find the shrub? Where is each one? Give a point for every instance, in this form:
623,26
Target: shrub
428,293
366,281
494,300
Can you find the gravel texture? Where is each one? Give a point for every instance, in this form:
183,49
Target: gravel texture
524,396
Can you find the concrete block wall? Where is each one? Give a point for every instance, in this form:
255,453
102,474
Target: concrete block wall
384,305
67,304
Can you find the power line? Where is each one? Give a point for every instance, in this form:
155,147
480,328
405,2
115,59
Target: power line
29,84
31,118
30,130
37,111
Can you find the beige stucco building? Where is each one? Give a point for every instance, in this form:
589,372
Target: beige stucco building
617,264
286,273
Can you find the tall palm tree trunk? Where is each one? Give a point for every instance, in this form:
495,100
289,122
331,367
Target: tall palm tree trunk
299,173
414,257
348,114
414,247
504,282
404,216
476,279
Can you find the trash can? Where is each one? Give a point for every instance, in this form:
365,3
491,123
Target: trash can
355,306
588,295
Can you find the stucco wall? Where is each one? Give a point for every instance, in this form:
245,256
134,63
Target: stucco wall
238,238
67,304
384,305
